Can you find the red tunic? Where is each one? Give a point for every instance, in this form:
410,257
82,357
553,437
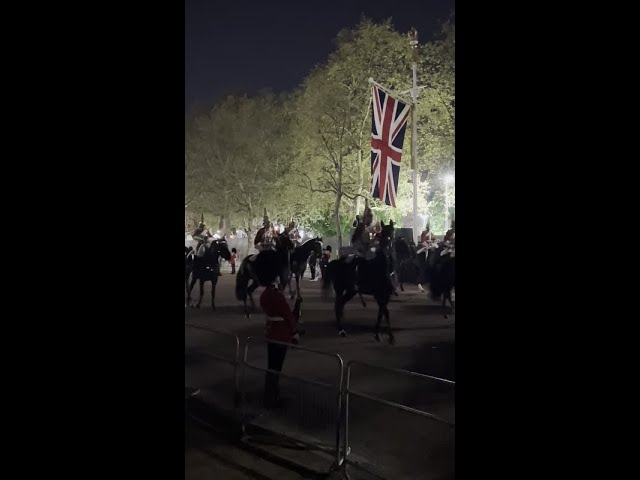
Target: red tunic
283,325
426,238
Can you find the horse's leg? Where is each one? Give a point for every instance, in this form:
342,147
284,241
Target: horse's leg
364,305
291,296
444,305
339,306
376,334
193,282
213,293
298,284
201,293
448,297
343,299
246,309
254,286
453,307
392,339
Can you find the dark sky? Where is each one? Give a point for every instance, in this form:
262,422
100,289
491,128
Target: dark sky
236,46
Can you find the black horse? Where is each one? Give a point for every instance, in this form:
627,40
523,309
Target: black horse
366,277
261,268
299,259
441,274
206,269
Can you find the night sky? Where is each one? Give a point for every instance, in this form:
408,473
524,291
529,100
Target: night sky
236,47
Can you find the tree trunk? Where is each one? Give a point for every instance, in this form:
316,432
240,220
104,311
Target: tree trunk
337,218
360,171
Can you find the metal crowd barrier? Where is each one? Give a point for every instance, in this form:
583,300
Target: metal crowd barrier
402,425
321,413
313,414
221,347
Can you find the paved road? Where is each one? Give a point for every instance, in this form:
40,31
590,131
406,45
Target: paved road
425,342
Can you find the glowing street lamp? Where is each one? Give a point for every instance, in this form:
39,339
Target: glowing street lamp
448,180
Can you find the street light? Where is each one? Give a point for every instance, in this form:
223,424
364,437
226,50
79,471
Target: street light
448,179
413,44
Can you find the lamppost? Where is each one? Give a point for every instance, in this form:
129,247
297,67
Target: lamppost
448,180
413,43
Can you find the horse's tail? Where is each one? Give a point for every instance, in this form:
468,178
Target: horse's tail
242,280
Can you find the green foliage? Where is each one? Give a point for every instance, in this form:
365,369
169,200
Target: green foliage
307,154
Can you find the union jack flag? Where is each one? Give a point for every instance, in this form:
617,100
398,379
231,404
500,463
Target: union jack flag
388,124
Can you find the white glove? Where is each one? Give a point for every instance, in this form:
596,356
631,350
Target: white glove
295,339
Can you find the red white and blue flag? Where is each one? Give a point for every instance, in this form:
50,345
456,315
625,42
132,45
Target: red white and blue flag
388,125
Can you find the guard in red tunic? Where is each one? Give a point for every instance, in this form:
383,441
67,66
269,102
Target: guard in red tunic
282,326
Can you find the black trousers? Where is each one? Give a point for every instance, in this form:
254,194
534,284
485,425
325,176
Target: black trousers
276,354
233,269
312,266
323,269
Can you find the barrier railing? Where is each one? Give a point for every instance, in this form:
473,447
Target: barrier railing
310,410
203,345
328,411
411,430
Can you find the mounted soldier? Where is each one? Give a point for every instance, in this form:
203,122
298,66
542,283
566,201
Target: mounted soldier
450,241
265,238
362,236
427,239
451,233
200,235
294,234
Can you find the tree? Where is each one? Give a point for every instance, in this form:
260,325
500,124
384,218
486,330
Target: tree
308,154
334,110
436,105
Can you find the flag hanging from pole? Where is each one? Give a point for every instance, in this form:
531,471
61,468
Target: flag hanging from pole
388,124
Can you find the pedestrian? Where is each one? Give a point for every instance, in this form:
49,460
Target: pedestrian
281,327
234,256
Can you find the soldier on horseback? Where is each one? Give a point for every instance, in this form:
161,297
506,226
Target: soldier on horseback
200,235
451,233
265,238
294,234
426,239
450,241
362,236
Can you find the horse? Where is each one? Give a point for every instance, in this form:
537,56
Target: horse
441,273
206,268
299,258
363,276
261,268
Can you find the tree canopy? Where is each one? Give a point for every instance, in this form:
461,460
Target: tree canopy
306,154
